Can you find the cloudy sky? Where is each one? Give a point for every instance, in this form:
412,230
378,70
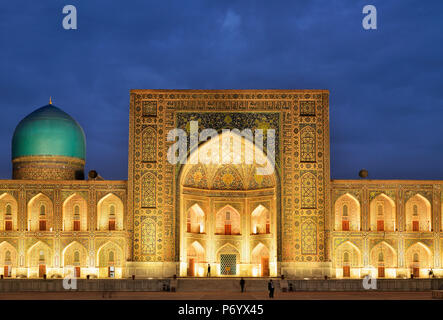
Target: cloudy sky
386,85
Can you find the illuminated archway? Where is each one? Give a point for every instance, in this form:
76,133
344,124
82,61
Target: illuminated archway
110,213
196,259
383,260
110,258
75,213
260,260
347,213
40,213
8,212
347,260
228,201
260,220
419,259
418,214
382,213
8,259
195,219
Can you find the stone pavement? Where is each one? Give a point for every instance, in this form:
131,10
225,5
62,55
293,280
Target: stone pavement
369,295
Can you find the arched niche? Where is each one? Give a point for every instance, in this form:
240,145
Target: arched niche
382,213
8,212
347,213
40,213
110,213
418,214
75,213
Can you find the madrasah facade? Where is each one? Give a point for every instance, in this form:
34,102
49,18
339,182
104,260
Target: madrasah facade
176,219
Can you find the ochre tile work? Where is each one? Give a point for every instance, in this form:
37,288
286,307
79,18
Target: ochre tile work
179,219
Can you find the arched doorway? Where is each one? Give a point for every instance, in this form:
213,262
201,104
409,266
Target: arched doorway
8,258
347,213
382,213
228,259
39,259
228,202
40,213
110,213
260,260
196,259
383,258
347,260
110,260
418,214
418,259
75,258
75,213
8,212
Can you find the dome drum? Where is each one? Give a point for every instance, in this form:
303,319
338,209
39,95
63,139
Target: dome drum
48,168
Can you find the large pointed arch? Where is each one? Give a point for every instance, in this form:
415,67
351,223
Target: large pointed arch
261,161
208,183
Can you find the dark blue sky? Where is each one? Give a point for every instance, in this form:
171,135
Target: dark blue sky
386,101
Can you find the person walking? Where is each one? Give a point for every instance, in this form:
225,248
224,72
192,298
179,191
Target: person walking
242,284
209,270
271,289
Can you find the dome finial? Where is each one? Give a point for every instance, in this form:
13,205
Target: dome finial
50,100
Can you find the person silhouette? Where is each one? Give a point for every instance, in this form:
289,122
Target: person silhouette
271,289
242,284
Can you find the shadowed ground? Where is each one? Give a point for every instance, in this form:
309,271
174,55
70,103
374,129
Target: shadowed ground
370,295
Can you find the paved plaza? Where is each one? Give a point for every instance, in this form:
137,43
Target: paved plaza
370,295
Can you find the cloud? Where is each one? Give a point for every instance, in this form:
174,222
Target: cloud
231,21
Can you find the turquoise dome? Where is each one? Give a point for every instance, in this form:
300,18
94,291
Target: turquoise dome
49,131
